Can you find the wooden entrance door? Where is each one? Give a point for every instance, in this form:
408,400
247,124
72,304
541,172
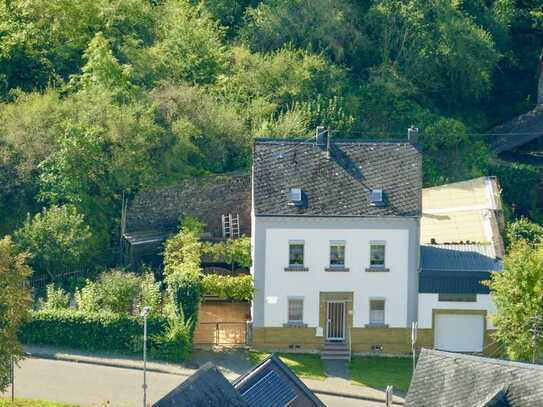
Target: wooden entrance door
335,326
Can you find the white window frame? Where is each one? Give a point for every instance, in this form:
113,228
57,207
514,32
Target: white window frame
295,321
296,242
337,243
373,323
378,243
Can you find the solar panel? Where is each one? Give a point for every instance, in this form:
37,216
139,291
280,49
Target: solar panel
269,391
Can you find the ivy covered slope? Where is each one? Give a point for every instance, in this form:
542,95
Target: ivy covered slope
105,97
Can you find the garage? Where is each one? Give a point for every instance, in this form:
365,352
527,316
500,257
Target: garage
459,332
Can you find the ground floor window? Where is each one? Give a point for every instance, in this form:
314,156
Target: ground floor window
377,312
295,310
464,297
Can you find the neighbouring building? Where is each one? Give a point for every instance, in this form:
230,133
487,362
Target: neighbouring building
349,250
270,383
222,202
464,212
444,379
335,244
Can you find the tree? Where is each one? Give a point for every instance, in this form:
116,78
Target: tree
523,229
57,239
518,294
15,301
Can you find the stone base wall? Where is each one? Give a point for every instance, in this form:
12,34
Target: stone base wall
391,340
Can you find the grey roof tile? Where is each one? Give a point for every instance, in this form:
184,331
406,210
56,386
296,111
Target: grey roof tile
338,186
445,379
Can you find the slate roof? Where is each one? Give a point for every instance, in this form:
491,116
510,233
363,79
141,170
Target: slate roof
205,388
338,186
457,268
455,380
273,384
155,213
518,131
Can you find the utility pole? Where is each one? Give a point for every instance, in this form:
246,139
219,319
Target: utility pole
536,330
144,313
414,326
12,379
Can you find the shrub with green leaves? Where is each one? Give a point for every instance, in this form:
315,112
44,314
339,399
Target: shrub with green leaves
239,288
58,240
105,331
56,298
119,292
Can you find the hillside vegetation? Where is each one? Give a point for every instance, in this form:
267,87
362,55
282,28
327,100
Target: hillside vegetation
101,98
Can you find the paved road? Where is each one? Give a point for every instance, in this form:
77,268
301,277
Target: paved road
85,384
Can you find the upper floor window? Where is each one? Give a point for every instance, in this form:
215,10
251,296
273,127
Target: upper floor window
337,254
296,254
377,312
464,297
295,310
377,255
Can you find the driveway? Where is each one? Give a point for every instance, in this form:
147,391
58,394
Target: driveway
89,384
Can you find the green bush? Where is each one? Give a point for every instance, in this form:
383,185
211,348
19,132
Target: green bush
56,298
119,292
105,332
236,288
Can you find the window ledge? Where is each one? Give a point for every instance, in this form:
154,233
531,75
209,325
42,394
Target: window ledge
377,270
294,325
296,268
337,269
376,326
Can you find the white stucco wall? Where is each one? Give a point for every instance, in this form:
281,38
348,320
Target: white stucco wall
274,285
428,302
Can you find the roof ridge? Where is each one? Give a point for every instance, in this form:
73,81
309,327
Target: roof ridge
483,359
272,140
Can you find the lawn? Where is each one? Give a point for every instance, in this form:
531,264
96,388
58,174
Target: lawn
6,402
304,365
378,372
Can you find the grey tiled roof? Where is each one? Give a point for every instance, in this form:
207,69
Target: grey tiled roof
519,131
456,268
158,211
455,380
207,387
338,186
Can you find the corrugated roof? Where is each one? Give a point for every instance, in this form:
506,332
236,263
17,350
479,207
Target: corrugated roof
340,185
444,379
459,257
457,268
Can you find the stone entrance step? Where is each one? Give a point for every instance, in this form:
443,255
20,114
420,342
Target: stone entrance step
335,350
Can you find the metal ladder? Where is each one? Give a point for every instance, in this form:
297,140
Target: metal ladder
230,226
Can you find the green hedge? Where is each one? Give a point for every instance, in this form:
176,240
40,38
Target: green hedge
91,332
239,288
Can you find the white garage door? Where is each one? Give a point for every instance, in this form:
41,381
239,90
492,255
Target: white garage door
459,333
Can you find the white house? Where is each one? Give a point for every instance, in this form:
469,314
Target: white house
337,257
335,244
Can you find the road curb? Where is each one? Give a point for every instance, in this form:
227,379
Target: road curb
118,364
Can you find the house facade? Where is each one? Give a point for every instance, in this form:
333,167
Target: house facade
335,231
347,254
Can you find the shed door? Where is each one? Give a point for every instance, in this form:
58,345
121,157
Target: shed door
459,333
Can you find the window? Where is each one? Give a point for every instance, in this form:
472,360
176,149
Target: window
295,310
377,255
296,255
376,197
377,312
464,297
337,254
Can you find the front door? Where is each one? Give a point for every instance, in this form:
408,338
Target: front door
335,326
